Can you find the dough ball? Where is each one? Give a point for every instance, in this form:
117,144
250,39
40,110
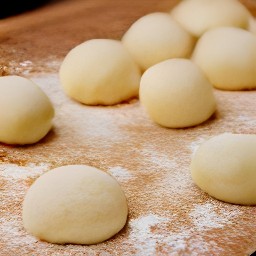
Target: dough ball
225,168
157,37
100,71
25,111
198,16
252,25
176,94
228,58
75,204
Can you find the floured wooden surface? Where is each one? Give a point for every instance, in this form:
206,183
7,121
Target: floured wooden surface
168,214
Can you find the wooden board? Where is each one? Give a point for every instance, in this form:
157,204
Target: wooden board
168,214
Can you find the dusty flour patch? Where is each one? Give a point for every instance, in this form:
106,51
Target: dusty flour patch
120,173
205,217
150,233
145,240
13,171
248,121
159,159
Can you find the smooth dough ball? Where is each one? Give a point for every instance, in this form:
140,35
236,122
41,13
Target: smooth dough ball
100,72
225,168
26,113
176,94
252,25
157,37
75,204
228,58
198,16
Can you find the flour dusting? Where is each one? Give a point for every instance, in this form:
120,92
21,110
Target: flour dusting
120,173
22,172
145,240
205,217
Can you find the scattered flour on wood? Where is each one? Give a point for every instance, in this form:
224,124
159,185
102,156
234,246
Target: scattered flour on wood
21,172
120,173
205,217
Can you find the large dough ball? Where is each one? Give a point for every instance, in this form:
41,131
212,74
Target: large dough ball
74,204
198,16
100,71
225,168
25,111
228,58
176,94
157,37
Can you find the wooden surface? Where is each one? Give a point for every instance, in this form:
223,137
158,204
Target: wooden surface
168,214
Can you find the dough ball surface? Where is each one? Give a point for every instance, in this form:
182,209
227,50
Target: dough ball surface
157,37
199,16
25,111
225,168
74,204
100,72
228,58
252,25
176,94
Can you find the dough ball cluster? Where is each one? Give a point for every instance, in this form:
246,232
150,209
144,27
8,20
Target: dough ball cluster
227,55
225,168
75,204
177,94
100,72
157,37
199,16
26,113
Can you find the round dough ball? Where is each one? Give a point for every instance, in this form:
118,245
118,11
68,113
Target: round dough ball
26,113
225,168
252,25
228,58
176,94
157,37
75,204
198,16
100,71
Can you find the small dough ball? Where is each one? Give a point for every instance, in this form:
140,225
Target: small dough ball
75,204
228,58
157,37
100,71
176,94
225,168
198,16
26,113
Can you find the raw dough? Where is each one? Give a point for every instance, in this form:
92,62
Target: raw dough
198,16
100,71
225,168
228,57
252,25
176,94
25,111
75,204
157,37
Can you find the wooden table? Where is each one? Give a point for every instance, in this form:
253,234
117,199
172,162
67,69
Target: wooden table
168,214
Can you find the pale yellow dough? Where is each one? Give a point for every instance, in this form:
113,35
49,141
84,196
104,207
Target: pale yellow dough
75,204
252,25
100,71
225,168
176,94
199,16
157,37
228,57
26,113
